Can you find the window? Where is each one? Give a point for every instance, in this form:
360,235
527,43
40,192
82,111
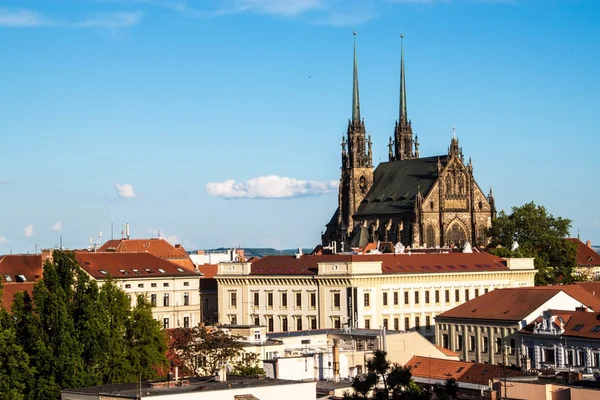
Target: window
498,348
313,300
186,322
437,296
165,323
427,297
476,292
395,298
485,290
596,359
385,324
447,294
405,298
299,323
233,319
166,300
367,324
430,234
513,346
257,321
549,356
428,322
284,324
186,299
140,285
256,335
396,324
127,286
186,284
570,357
417,323
313,323
233,299
284,300
486,344
270,299
471,343
337,323
153,300
256,296
299,300
466,294
457,295
336,300
445,341
153,285
459,342
407,323
596,329
581,357
366,296
270,324
416,297
166,284
385,299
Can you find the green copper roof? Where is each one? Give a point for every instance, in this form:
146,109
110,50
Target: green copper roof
355,98
403,113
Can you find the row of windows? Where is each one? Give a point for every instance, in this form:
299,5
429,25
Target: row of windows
186,322
417,296
312,299
485,345
141,285
407,325
286,324
573,357
154,302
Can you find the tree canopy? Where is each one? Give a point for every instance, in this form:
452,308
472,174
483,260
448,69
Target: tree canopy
539,234
71,333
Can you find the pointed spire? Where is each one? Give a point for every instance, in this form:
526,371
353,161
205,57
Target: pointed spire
403,113
355,97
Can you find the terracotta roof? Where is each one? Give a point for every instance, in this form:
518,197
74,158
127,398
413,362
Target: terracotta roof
580,324
462,371
514,304
586,256
10,289
209,270
391,263
28,266
128,265
155,246
592,287
447,352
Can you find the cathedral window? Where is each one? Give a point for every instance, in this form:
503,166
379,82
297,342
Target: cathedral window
456,235
449,188
430,235
362,183
461,184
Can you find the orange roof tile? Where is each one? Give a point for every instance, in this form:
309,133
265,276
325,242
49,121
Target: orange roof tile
461,371
514,304
29,266
209,270
447,352
129,265
10,289
391,263
586,256
591,287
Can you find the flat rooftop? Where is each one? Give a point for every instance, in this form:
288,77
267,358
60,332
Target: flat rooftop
130,390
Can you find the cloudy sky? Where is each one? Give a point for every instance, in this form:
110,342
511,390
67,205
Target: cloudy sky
219,122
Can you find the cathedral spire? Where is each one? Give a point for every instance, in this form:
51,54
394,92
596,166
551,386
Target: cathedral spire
403,133
355,97
403,113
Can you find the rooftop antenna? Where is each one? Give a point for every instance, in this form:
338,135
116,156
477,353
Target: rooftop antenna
127,230
60,244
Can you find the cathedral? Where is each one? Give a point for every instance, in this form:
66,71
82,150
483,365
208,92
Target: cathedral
418,201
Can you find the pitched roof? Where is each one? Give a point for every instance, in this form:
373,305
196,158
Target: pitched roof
391,263
129,266
155,246
461,371
586,256
592,287
514,304
10,289
209,270
446,351
579,324
395,185
29,267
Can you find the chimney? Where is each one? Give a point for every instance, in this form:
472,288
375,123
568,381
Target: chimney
299,253
588,243
581,309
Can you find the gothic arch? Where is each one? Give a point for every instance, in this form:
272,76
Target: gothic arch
456,234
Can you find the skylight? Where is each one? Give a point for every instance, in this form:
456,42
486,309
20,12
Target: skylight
162,271
180,269
148,270
136,271
577,327
103,272
21,278
460,369
596,328
8,278
124,272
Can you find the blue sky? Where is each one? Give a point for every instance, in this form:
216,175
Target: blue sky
149,109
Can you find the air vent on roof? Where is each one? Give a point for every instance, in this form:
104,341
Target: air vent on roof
162,271
21,278
8,278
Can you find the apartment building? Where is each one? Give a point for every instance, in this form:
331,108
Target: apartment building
395,291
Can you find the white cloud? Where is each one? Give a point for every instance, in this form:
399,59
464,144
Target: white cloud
269,187
112,20
57,227
3,239
283,8
28,231
125,191
21,18
154,232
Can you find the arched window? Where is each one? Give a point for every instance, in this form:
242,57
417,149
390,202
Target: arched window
461,184
449,188
430,236
482,235
456,235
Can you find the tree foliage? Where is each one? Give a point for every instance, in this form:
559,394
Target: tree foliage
71,333
540,235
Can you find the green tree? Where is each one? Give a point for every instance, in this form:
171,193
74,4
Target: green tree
247,365
540,235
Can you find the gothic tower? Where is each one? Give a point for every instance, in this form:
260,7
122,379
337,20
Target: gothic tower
357,163
403,134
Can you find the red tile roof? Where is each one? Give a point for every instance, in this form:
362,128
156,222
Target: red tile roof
447,352
579,324
155,246
209,270
592,287
10,289
462,371
29,266
514,304
391,263
129,265
586,256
